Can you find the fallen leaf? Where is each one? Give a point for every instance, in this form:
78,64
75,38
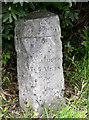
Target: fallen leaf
9,100
3,96
13,95
14,106
4,92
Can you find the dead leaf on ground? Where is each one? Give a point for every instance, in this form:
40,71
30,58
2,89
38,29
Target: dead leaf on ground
5,92
3,96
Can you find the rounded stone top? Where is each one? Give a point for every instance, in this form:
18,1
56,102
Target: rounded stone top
39,14
38,24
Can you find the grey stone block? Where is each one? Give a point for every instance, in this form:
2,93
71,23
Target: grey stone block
39,60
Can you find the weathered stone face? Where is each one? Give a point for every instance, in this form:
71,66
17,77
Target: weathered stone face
39,60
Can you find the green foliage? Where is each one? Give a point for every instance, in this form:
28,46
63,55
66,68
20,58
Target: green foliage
4,111
86,40
82,72
6,81
77,61
75,108
68,18
5,57
69,57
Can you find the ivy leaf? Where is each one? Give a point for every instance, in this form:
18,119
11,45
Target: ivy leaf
10,18
32,6
8,37
71,16
17,13
66,8
5,17
76,16
22,12
14,16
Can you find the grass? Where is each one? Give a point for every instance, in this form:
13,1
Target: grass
73,109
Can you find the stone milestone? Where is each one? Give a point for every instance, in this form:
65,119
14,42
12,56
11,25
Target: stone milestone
39,60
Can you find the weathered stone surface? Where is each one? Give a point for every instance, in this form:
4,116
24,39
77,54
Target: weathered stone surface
39,60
